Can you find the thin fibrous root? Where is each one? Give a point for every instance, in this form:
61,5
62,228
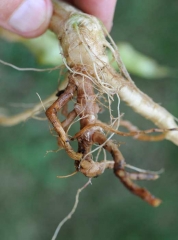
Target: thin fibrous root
66,176
140,135
144,171
72,211
9,121
28,69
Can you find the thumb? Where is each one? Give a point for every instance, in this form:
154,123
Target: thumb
28,18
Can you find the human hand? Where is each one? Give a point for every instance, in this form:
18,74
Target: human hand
30,18
102,9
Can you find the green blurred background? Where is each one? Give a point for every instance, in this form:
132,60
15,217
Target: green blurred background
33,200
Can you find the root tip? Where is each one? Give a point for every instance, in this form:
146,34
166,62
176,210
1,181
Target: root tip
156,202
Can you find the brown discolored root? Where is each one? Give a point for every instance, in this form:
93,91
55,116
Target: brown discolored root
123,175
139,135
141,192
92,133
51,113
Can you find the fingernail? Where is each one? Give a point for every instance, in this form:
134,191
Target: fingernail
29,16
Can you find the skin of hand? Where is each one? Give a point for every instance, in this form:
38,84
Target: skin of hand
30,18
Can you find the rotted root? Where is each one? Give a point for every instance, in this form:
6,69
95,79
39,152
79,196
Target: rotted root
135,189
125,177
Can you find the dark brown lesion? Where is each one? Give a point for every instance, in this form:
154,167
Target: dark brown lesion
90,133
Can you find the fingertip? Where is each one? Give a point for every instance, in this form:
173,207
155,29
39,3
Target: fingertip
30,18
103,9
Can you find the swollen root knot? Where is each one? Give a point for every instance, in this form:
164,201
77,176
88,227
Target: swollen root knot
93,169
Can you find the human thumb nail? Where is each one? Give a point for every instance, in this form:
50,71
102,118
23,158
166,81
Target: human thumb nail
30,16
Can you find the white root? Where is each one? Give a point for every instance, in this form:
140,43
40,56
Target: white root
28,69
83,43
146,107
72,211
8,121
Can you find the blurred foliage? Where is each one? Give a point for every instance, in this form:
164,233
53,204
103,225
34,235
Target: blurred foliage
33,200
46,49
141,65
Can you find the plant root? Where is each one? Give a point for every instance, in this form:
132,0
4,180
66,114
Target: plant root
92,132
72,211
83,43
90,76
